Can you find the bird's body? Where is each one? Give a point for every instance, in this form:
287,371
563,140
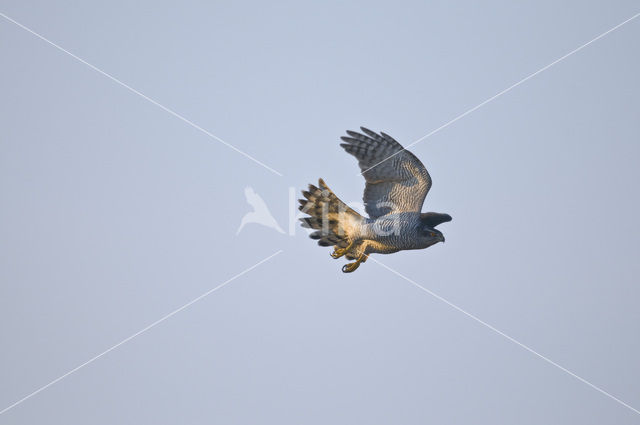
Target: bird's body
396,186
393,233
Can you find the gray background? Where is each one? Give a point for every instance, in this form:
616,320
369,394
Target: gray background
115,213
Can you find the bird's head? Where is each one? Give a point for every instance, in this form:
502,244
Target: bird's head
430,236
428,232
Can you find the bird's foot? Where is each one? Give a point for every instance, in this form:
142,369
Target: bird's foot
339,252
351,267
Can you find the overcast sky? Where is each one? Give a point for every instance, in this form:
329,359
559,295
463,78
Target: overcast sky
116,213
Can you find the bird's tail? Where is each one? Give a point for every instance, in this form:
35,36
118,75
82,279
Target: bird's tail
334,222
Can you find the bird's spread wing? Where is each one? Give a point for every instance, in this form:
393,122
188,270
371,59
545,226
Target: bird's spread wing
432,219
399,184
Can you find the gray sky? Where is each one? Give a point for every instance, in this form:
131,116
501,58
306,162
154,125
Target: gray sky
116,213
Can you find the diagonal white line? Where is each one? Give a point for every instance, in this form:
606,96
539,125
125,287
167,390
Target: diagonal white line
478,106
141,331
499,332
131,89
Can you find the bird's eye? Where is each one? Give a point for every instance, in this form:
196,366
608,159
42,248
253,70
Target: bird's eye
433,235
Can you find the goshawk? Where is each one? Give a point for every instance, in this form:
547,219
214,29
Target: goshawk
396,185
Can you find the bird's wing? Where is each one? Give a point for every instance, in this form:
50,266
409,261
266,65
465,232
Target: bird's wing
399,184
432,219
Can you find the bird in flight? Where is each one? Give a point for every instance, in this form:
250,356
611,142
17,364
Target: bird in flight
396,185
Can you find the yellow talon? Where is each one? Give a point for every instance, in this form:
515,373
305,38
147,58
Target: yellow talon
339,252
351,267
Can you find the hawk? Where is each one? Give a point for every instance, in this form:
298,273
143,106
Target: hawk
396,186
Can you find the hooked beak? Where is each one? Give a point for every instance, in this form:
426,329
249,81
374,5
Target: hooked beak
441,238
